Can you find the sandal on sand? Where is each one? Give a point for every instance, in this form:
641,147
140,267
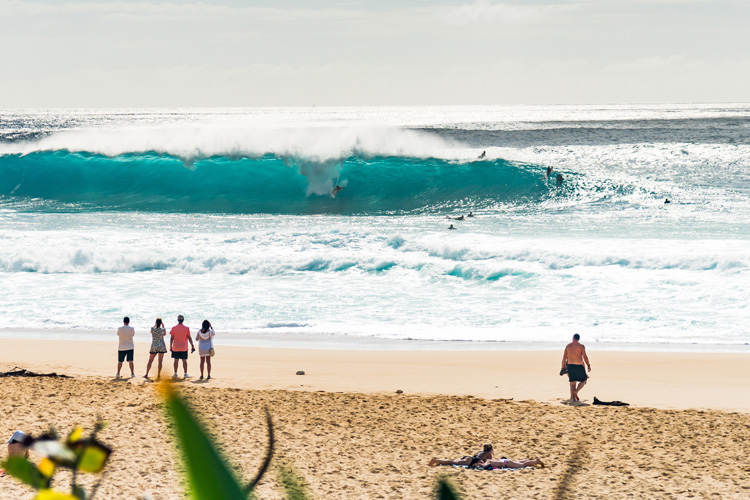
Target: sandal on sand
433,462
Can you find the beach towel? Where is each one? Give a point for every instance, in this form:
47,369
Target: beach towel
474,467
609,403
21,372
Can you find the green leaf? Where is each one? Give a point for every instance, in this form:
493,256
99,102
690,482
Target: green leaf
93,456
25,471
445,490
79,492
293,484
208,476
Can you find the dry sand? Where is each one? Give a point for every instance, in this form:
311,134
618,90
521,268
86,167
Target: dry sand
351,436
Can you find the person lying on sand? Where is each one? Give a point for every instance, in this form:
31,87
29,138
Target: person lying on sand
469,461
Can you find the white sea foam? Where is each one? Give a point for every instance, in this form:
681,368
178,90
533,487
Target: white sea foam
248,140
389,277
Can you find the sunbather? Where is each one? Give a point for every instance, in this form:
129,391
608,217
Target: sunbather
469,461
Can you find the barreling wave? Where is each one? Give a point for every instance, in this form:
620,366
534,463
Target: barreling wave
152,181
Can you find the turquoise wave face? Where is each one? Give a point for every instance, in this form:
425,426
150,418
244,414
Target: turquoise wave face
269,184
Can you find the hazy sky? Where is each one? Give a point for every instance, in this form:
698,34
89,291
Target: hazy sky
284,52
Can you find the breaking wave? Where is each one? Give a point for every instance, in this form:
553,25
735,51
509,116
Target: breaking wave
153,181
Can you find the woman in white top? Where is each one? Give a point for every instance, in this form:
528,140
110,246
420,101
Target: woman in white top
205,338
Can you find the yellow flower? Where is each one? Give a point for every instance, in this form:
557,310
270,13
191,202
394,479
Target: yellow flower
75,435
46,467
53,495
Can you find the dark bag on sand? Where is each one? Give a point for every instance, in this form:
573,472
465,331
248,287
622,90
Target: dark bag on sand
563,370
609,403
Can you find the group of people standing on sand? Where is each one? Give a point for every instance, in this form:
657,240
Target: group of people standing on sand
179,338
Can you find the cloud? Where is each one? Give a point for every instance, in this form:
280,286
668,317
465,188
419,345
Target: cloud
148,11
484,11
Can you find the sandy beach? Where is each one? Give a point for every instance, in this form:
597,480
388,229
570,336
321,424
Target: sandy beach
350,435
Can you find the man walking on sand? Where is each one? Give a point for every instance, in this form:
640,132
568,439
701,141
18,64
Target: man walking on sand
178,344
574,357
126,348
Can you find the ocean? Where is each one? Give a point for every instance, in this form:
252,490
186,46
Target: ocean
228,214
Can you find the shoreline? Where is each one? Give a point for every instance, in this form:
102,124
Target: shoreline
665,380
317,341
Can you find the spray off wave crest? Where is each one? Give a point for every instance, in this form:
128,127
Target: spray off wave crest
291,172
191,143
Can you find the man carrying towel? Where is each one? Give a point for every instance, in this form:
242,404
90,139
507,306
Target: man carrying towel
574,357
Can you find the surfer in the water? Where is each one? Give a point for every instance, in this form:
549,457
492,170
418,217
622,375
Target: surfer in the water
482,156
471,214
336,190
559,179
549,172
451,227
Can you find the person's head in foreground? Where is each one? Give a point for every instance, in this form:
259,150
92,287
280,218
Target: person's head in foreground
125,320
16,447
205,326
576,337
180,318
158,323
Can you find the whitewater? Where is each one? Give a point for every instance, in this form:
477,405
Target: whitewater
231,215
